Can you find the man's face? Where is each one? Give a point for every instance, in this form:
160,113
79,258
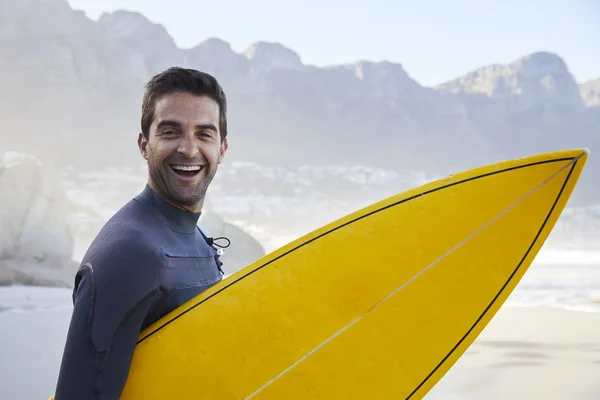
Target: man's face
183,149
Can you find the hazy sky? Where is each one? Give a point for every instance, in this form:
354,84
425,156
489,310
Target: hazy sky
435,40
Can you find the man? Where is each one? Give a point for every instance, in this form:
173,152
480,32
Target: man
150,257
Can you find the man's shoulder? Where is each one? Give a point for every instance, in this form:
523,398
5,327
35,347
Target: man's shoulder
132,221
126,235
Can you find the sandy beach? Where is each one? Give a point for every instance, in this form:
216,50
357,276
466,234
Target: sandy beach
525,353
529,353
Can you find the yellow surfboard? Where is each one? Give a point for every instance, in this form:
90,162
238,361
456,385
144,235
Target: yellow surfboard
376,305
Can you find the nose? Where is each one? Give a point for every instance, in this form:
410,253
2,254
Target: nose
188,146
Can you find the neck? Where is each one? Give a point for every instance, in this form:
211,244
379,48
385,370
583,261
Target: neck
195,208
175,217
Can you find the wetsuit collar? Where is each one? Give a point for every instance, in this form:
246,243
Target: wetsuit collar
176,219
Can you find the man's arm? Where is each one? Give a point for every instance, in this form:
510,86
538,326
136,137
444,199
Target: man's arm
112,296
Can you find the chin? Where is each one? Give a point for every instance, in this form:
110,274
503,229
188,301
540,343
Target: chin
187,199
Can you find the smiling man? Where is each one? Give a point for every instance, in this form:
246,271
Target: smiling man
150,257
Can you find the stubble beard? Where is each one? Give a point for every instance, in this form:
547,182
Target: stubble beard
168,188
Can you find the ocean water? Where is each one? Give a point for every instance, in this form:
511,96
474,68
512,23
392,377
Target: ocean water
568,279
277,205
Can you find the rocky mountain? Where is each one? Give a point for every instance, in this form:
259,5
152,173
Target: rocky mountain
538,80
531,104
71,88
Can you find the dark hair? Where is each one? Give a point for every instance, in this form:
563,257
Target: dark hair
176,79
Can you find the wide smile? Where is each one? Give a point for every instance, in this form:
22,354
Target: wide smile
186,172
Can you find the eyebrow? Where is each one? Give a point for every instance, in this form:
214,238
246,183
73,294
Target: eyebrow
178,125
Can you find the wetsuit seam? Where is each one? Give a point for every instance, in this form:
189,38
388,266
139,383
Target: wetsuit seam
104,355
126,318
90,323
91,314
195,284
181,257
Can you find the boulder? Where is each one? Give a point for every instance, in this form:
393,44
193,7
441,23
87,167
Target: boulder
243,249
36,245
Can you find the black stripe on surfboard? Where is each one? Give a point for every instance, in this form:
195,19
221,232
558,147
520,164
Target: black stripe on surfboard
503,286
348,223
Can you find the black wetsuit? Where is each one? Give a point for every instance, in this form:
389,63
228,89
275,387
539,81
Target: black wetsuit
147,260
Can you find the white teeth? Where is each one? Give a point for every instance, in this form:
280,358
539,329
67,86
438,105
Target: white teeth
186,167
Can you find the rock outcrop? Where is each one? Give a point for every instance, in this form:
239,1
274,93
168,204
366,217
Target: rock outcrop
266,56
243,249
590,93
216,57
35,242
138,48
536,80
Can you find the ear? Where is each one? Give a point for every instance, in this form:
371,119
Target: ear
143,145
223,150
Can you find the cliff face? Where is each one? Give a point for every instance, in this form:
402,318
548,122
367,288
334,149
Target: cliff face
590,93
